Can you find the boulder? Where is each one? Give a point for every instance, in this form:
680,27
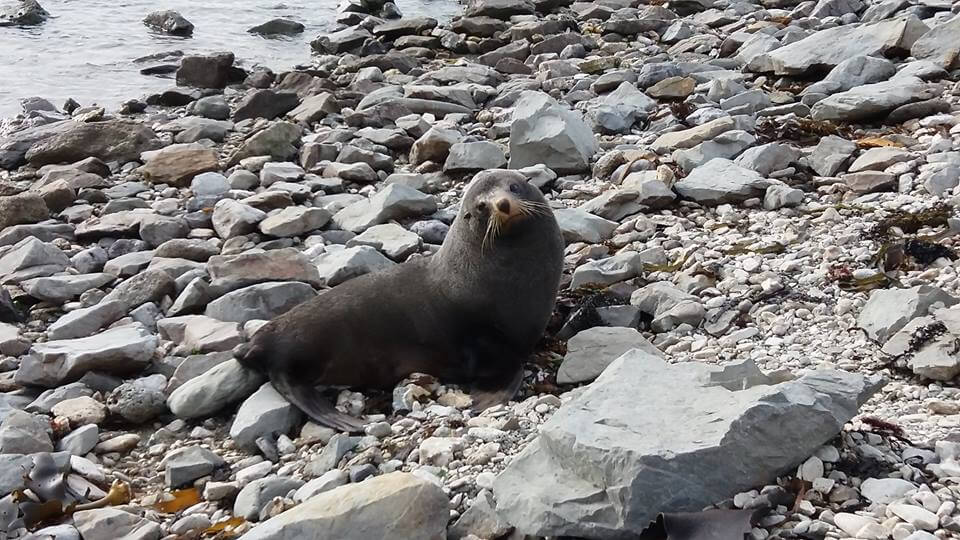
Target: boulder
23,208
263,103
121,350
395,201
394,505
231,272
263,301
889,310
941,44
220,386
592,350
264,413
178,164
209,71
112,140
872,100
23,13
544,132
720,181
278,27
338,266
169,22
600,470
577,225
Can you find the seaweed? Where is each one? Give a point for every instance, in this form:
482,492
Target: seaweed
802,130
926,252
911,222
743,248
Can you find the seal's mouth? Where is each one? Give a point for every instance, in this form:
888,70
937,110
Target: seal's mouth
506,210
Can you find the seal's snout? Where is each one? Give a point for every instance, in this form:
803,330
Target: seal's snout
503,205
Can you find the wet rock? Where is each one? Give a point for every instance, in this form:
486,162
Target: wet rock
23,208
169,22
263,301
106,523
265,104
278,27
710,447
720,181
264,413
394,505
335,267
210,71
255,495
545,132
23,13
395,201
500,9
341,41
221,386
184,465
213,107
120,350
592,350
112,140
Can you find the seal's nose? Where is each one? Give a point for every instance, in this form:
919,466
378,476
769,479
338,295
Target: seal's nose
503,205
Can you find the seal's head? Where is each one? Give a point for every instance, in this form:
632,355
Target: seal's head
501,203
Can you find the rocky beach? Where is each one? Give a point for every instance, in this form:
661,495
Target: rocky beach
758,328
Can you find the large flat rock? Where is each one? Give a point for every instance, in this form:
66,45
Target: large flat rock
601,470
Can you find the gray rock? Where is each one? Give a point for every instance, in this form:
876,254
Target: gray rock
263,103
434,145
231,272
335,267
264,413
943,180
689,138
221,386
940,44
885,490
889,310
276,141
80,441
620,267
708,447
45,401
11,344
327,481
294,221
480,520
545,132
727,145
878,159
192,249
274,172
592,350
169,22
395,201
84,322
31,258
315,108
59,289
830,154
936,360
781,196
55,532
184,465
43,232
857,71
834,45
90,260
341,41
394,505
391,239
231,218
870,181
255,495
262,301
871,100
669,306
121,350
24,433
213,107
107,523
139,401
474,156
769,157
577,225
147,286
720,181
23,208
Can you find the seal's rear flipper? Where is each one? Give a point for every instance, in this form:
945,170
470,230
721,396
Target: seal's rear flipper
313,405
495,391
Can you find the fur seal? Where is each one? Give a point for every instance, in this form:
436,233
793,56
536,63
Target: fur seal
469,314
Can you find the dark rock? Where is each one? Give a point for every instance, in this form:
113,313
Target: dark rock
169,22
213,71
275,27
113,140
23,13
265,104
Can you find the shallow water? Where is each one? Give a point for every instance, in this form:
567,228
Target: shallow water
86,49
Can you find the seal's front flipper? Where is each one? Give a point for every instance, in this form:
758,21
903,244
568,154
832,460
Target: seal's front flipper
496,390
313,405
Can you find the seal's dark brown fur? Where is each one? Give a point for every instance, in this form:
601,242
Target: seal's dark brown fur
469,314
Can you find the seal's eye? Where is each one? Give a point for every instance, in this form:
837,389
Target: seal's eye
515,188
482,207
467,216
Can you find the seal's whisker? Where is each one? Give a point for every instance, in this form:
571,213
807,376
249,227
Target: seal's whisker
533,207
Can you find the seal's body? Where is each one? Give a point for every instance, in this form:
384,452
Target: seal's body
469,314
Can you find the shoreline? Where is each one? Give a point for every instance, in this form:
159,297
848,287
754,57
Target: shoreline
757,310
